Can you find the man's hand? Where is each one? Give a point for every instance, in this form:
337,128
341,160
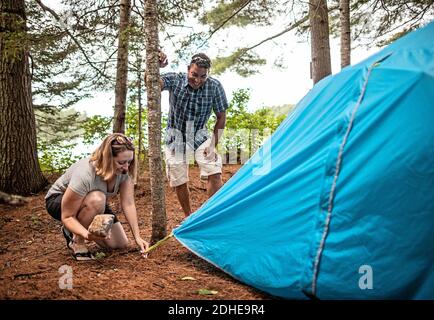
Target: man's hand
209,153
162,57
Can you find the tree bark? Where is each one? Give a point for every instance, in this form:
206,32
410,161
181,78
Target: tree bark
344,8
139,143
320,44
20,172
159,220
139,102
122,68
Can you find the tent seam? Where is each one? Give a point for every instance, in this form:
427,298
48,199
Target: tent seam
336,175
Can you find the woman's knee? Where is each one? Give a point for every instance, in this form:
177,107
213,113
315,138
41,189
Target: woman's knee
122,244
118,237
95,200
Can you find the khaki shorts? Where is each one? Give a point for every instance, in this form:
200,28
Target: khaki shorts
177,164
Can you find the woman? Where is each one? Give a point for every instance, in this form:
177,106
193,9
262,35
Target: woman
82,191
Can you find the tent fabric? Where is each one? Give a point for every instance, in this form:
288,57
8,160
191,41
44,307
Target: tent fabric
339,202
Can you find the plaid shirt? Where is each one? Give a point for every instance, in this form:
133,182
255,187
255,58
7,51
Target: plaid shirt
190,109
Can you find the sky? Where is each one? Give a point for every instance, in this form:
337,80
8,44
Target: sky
271,86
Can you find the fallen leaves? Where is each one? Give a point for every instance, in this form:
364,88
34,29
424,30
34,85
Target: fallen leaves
207,292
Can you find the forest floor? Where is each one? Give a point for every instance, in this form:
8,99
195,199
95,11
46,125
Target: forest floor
34,258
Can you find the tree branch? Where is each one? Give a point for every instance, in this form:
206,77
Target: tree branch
13,200
289,28
417,17
224,22
56,16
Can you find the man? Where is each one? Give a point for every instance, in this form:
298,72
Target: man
193,96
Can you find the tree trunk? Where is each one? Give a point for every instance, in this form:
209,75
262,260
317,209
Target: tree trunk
344,8
20,172
154,122
122,68
139,103
139,125
320,46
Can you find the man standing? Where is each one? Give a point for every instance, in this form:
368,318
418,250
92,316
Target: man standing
192,98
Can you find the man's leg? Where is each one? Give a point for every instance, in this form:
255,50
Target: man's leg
177,174
214,184
184,198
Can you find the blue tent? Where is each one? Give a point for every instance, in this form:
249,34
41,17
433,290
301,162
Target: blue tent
339,202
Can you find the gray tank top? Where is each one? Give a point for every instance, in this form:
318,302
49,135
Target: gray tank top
81,179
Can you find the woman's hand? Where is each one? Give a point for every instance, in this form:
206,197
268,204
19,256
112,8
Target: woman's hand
93,237
144,245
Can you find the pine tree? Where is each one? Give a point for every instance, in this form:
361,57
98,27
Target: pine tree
320,42
159,220
19,168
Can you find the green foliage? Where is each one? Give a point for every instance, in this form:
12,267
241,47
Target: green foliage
171,13
393,37
96,128
237,114
57,134
132,125
132,121
100,255
72,54
240,13
381,22
241,61
372,22
57,157
246,131
282,110
59,76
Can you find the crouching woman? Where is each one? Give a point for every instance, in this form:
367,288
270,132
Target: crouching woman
81,193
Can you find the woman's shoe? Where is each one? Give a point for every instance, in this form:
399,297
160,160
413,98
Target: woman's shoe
83,256
68,237
79,254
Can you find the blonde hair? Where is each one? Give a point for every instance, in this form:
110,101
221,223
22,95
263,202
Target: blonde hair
103,156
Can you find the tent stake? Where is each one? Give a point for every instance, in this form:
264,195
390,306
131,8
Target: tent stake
159,243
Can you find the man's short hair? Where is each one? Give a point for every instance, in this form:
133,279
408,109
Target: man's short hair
201,60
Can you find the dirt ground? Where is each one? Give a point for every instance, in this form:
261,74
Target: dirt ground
33,251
